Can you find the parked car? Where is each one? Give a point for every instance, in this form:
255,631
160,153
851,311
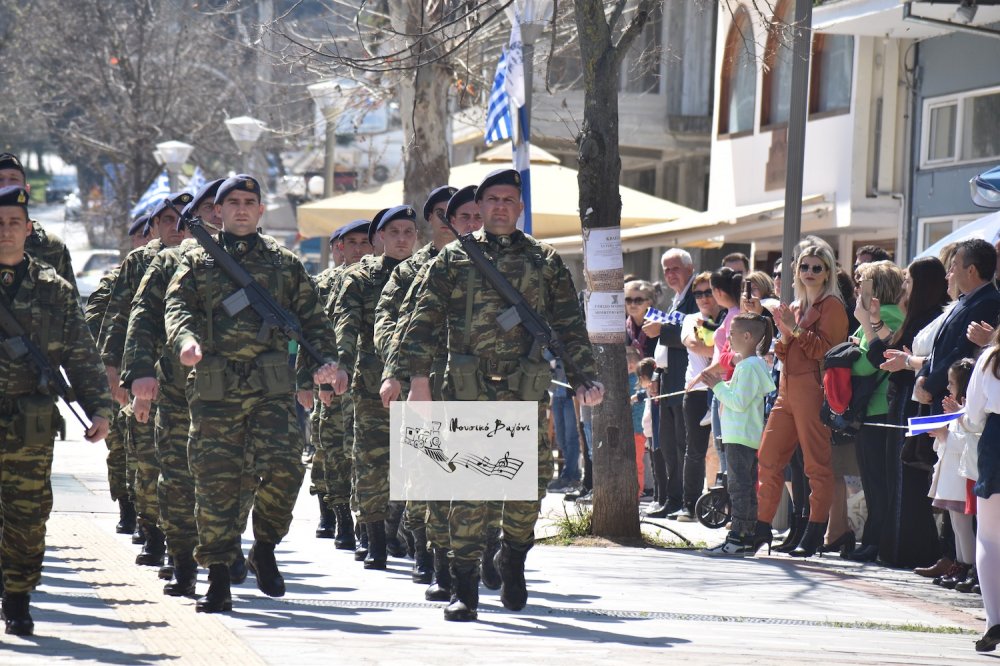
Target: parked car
91,266
61,186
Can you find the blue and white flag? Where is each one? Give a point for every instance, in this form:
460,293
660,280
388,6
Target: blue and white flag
923,424
498,122
197,181
660,317
159,188
514,83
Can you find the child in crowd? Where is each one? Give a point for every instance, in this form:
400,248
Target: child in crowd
637,390
948,486
742,420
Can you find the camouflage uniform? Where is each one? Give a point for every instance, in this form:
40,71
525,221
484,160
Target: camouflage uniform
323,283
354,318
243,419
456,303
46,306
121,471
48,247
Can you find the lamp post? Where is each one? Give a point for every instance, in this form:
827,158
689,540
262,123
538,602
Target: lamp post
245,132
174,154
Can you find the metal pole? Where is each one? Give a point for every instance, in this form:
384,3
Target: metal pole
796,143
172,180
329,176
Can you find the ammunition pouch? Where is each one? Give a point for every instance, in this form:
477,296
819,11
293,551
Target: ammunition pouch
463,380
273,375
35,422
210,379
530,380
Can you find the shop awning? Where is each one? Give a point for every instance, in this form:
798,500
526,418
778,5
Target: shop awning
886,18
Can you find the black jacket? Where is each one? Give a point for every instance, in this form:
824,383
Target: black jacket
677,354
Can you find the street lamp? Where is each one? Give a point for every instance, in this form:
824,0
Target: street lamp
245,132
331,98
174,154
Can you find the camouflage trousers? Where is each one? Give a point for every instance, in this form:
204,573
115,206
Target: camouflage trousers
467,521
371,458
434,517
142,438
25,504
336,445
119,480
317,475
246,444
175,486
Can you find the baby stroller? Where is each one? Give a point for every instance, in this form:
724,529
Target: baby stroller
713,508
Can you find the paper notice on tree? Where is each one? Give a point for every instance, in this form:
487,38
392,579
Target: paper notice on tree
602,259
606,316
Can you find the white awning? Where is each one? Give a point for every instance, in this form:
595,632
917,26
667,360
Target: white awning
885,18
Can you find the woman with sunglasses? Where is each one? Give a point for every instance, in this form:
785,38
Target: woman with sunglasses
815,322
639,296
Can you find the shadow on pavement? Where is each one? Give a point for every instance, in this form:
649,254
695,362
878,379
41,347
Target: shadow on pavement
314,618
50,645
550,630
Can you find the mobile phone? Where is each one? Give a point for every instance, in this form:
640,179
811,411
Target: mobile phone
866,293
747,290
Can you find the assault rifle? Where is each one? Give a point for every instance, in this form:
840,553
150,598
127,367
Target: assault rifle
519,311
250,292
16,344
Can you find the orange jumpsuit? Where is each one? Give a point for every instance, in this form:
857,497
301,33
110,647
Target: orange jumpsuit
794,419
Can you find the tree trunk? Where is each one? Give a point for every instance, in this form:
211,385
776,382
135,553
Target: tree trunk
615,477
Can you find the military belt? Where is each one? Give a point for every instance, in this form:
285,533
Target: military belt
497,370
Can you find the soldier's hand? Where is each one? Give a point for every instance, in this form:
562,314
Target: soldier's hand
146,388
390,391
190,353
98,429
420,390
119,394
591,396
141,409
326,373
305,398
341,382
326,397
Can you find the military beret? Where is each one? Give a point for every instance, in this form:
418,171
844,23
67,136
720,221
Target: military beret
207,191
375,221
238,183
463,196
355,227
14,195
499,177
437,195
10,161
179,200
403,212
141,222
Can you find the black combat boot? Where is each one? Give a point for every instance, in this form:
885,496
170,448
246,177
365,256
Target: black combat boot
344,539
154,548
487,567
811,540
393,545
16,616
238,569
440,590
423,560
510,563
361,551
327,520
218,599
185,576
376,545
167,570
126,516
466,599
262,564
139,534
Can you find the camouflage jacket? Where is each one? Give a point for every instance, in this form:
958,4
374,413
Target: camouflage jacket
49,248
395,307
46,306
97,303
198,287
354,319
112,339
457,304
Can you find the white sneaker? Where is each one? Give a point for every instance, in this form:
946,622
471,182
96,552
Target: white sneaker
730,548
706,420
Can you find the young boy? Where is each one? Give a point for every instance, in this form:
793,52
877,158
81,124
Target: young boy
742,416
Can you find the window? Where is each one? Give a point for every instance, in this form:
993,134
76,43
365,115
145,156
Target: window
739,77
776,97
961,128
832,73
931,230
641,67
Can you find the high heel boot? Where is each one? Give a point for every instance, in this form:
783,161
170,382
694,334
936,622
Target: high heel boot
794,535
811,540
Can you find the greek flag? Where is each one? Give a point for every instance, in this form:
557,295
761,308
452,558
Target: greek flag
197,181
159,188
661,317
921,424
498,123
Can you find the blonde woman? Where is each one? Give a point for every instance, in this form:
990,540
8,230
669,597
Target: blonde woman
809,327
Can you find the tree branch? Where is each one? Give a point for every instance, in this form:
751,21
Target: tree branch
634,29
616,14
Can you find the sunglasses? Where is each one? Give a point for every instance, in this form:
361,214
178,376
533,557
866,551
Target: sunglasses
775,276
816,269
635,301
702,294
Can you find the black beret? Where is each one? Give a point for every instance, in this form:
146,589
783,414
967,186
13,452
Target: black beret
437,195
207,191
463,196
10,161
141,222
499,177
357,226
238,183
14,195
403,212
179,200
375,221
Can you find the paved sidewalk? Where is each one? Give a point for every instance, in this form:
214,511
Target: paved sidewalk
587,604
